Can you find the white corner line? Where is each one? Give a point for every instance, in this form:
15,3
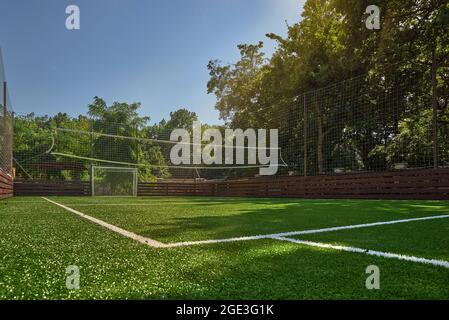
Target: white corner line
298,233
123,232
389,255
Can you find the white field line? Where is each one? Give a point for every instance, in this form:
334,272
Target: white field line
123,232
16,201
389,255
297,233
143,204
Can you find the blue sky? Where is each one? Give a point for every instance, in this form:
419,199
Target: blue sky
149,51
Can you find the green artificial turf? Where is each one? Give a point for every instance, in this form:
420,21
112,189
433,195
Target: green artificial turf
174,219
427,239
38,240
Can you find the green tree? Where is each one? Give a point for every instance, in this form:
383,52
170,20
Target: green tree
237,86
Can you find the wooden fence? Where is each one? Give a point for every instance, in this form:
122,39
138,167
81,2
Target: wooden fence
408,184
51,188
412,184
6,185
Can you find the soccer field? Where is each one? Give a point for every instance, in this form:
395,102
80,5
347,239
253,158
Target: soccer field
223,248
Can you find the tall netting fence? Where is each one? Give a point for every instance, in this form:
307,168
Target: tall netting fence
376,122
63,148
367,123
6,125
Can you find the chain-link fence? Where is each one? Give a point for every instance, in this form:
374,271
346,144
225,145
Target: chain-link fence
368,123
65,148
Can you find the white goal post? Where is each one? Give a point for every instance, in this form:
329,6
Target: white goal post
113,181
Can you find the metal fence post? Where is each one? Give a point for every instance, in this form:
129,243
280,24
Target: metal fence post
434,108
305,136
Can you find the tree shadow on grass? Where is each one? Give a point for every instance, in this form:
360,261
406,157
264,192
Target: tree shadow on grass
245,217
269,269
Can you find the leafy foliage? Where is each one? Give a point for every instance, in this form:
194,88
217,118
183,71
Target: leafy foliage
330,44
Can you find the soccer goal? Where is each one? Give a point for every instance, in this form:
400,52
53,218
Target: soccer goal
114,181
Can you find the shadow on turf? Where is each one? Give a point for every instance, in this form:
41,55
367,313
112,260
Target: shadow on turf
257,216
276,270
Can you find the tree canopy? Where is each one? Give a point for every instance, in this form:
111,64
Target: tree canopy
391,69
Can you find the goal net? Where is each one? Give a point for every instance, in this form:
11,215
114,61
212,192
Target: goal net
114,181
